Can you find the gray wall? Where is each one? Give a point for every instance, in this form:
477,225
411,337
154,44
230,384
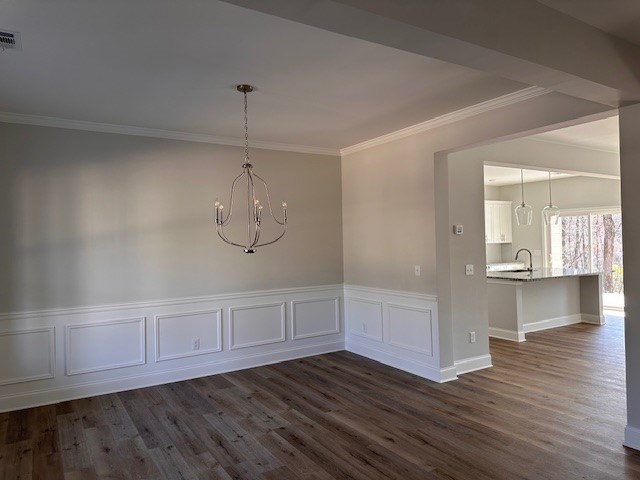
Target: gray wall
567,193
93,218
399,202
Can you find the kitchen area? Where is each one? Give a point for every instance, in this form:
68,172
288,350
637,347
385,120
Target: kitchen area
553,249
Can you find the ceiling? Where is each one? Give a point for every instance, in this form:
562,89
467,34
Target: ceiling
617,17
599,135
501,176
172,65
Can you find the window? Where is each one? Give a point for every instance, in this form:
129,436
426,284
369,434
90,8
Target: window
590,239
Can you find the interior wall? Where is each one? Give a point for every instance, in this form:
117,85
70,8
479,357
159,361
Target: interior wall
94,218
398,209
567,193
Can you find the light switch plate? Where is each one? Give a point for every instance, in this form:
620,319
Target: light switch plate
416,270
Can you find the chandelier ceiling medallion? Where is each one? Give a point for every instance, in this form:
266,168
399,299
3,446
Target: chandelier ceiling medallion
254,185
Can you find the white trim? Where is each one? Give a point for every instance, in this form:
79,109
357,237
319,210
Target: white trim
451,117
56,122
424,351
160,358
593,319
141,321
165,303
448,374
632,437
506,334
295,336
396,293
359,333
383,356
472,364
552,323
37,398
52,355
281,338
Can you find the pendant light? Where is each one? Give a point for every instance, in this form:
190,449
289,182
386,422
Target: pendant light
550,212
252,184
524,212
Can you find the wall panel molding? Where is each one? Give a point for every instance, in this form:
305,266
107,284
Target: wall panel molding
102,345
264,328
315,316
416,336
12,362
194,331
365,318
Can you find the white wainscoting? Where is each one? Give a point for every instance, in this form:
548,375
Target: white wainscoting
256,325
27,355
315,318
93,347
113,348
175,334
395,328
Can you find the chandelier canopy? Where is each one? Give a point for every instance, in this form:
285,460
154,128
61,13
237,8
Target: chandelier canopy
253,185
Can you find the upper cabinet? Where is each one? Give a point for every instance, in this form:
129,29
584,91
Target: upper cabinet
497,221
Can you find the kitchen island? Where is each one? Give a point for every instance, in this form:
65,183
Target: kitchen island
521,302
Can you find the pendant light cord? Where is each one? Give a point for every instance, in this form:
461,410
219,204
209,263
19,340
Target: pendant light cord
522,184
550,202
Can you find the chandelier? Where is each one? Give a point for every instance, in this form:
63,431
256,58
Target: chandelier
252,184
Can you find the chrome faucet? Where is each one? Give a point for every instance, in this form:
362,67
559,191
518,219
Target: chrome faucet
530,257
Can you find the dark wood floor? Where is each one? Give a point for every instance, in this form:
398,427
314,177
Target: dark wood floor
550,408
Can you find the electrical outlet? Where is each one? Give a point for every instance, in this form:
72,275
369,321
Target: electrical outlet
468,269
195,344
472,337
364,327
416,269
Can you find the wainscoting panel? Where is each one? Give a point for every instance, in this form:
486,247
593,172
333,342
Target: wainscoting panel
400,329
188,334
27,355
314,318
411,328
93,347
365,318
256,325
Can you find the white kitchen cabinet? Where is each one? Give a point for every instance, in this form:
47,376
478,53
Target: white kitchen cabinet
497,221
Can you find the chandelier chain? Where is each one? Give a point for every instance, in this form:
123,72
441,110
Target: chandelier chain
246,130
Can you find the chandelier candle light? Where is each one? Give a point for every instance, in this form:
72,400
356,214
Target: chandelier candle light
550,212
254,205
524,212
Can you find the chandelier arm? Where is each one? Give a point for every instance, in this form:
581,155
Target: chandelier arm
266,189
284,230
226,221
256,239
226,240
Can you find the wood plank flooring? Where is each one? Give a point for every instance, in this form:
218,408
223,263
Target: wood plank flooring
550,408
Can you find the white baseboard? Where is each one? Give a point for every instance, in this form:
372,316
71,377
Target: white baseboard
506,334
632,437
402,363
448,374
552,323
122,383
593,319
471,364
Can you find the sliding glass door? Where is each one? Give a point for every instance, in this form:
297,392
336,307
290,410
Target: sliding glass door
590,239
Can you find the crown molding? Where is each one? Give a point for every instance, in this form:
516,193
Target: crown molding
451,117
43,121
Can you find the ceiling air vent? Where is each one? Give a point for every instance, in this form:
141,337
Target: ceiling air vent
10,40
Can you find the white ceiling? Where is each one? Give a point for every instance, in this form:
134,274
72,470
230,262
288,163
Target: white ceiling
599,135
501,176
172,65
617,17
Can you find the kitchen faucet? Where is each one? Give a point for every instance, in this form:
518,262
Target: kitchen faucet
530,257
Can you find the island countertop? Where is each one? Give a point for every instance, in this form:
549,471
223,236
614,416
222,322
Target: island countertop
542,274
